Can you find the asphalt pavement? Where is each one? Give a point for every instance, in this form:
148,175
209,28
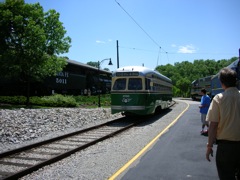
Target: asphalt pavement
178,154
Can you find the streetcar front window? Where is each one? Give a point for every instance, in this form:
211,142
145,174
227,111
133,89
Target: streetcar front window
120,84
135,84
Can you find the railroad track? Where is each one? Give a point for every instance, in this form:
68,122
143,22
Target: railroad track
19,162
22,161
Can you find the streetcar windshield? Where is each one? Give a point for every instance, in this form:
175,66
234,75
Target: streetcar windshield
120,84
135,84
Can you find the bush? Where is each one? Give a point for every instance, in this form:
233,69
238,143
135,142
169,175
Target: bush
13,99
105,100
58,100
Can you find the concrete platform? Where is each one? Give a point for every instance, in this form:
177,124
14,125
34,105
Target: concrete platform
178,154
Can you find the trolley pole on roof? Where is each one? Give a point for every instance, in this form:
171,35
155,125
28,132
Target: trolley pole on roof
99,84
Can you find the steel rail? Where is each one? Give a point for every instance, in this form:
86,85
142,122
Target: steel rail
112,129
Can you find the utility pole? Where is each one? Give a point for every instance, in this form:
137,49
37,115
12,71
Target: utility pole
117,56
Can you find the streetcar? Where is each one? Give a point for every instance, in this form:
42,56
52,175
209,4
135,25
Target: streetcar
138,90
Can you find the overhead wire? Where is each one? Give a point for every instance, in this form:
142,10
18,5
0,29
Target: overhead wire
158,56
160,48
138,24
138,49
142,30
159,51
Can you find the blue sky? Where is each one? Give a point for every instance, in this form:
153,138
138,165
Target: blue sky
170,30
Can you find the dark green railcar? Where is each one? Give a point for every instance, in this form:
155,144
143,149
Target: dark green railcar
139,90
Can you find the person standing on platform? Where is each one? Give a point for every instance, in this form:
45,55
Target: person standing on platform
205,103
224,129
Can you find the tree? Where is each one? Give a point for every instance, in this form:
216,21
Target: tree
184,73
184,85
106,69
93,64
30,42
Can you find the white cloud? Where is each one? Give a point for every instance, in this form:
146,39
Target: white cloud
103,42
187,49
100,42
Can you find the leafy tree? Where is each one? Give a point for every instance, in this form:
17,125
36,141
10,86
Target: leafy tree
30,42
184,73
183,85
93,64
106,69
167,70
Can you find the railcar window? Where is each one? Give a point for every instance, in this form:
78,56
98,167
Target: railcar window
147,84
120,84
135,84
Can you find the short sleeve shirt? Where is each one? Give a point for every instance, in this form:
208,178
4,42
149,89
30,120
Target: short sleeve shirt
205,101
225,109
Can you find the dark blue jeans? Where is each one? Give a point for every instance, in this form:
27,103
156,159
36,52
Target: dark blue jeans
228,160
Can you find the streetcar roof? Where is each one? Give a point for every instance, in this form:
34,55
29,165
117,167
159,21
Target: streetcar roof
142,70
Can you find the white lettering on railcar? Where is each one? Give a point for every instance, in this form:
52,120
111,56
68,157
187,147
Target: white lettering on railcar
61,81
61,77
63,74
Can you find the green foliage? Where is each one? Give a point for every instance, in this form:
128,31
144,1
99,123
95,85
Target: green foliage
12,99
93,64
184,73
30,41
106,69
105,100
58,100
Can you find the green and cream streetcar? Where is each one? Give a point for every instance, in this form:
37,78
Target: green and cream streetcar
139,90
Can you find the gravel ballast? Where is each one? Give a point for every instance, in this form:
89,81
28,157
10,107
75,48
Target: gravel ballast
24,126
99,161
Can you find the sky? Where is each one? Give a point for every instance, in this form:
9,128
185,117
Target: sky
149,32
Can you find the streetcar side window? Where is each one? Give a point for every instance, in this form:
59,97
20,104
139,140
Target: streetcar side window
135,84
147,84
120,84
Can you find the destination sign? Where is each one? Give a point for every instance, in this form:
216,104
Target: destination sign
127,74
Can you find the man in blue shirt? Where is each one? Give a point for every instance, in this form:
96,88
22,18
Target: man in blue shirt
205,103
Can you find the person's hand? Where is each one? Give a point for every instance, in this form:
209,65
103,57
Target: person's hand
208,153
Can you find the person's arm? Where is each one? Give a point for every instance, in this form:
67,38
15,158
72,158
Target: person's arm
204,102
212,132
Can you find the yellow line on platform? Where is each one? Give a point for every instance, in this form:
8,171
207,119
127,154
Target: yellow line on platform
123,168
